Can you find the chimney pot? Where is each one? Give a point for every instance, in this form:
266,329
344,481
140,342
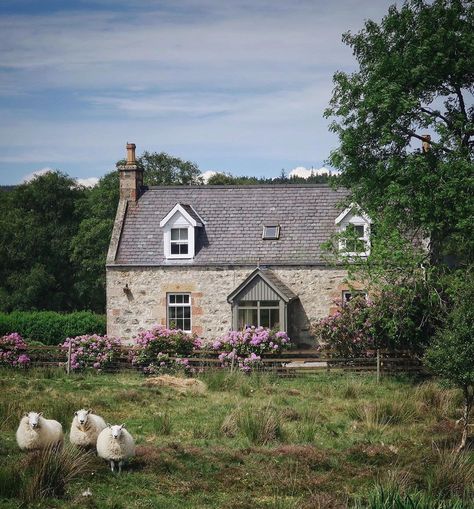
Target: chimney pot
131,153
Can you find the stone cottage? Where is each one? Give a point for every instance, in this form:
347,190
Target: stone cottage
207,259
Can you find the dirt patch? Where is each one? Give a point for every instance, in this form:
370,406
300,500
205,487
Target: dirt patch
181,385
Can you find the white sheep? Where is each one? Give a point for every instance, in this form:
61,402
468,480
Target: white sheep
36,432
85,428
116,445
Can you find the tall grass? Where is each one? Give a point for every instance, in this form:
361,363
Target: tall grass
389,497
259,425
51,470
162,424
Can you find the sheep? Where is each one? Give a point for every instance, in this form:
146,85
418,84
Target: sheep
115,444
85,428
36,432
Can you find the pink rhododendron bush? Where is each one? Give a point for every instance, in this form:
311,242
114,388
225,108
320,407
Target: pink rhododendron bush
13,351
163,350
349,332
92,351
244,349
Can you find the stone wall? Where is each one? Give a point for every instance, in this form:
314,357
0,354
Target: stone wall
136,297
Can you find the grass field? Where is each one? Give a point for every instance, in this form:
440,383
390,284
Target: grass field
246,442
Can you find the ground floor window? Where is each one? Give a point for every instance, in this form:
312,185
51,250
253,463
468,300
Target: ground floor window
347,295
179,311
258,313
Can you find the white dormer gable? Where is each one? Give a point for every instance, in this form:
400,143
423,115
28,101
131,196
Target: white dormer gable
179,231
353,217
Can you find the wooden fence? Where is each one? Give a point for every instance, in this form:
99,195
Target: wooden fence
288,363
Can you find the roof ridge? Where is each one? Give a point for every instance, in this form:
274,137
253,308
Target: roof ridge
244,186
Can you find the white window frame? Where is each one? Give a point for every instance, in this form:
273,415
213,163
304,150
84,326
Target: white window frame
259,307
353,215
175,305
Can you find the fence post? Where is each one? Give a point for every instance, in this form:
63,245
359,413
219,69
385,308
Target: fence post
68,365
378,364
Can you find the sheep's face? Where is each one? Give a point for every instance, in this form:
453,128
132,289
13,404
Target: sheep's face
34,419
116,431
82,416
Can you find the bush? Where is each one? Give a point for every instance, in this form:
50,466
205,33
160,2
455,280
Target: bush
51,328
349,331
162,350
245,348
98,352
13,351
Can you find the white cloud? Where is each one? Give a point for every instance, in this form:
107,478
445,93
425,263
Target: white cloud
88,182
36,173
206,175
301,171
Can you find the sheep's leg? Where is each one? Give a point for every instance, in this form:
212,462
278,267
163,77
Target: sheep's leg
112,465
120,466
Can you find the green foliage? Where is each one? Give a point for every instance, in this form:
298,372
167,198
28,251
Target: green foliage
225,179
451,355
37,222
415,77
49,327
161,169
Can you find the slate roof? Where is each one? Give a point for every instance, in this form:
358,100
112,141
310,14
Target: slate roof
234,217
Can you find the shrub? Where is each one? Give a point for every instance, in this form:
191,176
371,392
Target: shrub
13,351
245,348
162,350
98,352
51,328
349,331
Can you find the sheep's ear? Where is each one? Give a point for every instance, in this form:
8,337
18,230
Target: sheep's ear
75,413
122,425
40,414
109,425
25,414
89,411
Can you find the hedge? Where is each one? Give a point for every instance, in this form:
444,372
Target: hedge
51,328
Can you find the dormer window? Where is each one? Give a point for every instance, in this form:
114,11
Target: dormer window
179,234
354,228
271,232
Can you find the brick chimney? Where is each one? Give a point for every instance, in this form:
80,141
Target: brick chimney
131,176
426,143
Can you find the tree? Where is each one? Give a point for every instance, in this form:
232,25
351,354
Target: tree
415,77
161,169
37,223
451,355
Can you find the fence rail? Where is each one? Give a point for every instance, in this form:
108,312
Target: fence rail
288,363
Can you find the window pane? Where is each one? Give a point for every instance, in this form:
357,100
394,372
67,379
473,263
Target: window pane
174,233
183,234
186,324
186,299
269,303
174,248
186,312
359,229
265,318
274,319
172,298
183,249
247,318
248,303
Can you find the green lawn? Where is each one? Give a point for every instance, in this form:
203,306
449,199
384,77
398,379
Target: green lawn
248,442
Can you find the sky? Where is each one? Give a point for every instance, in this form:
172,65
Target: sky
238,86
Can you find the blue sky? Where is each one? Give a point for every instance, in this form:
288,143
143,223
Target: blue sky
235,86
